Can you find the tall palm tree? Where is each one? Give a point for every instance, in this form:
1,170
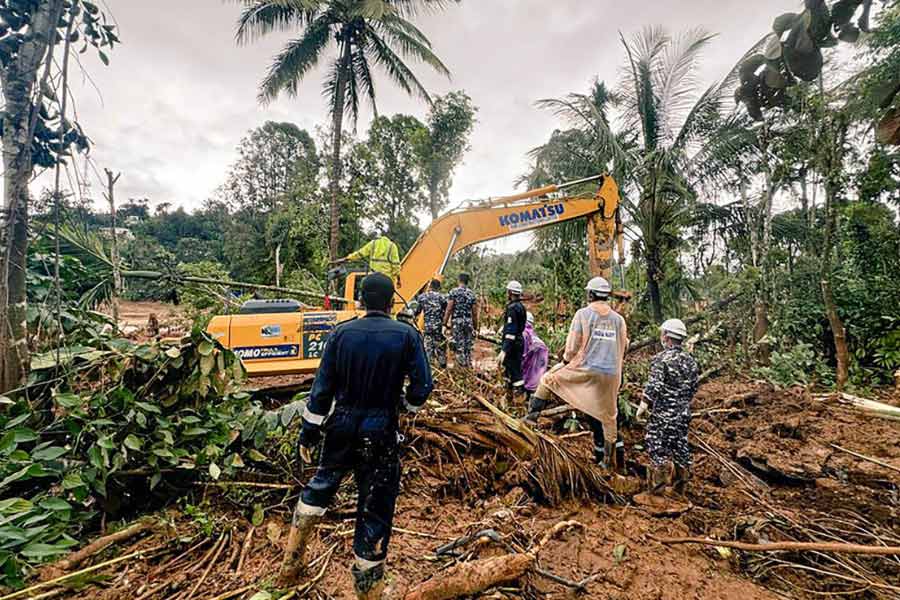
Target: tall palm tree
677,138
363,32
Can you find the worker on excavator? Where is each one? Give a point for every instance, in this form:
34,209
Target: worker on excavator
462,316
360,385
513,342
381,255
589,376
670,388
434,304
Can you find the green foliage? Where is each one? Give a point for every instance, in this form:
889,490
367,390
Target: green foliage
198,297
443,143
798,365
130,419
384,177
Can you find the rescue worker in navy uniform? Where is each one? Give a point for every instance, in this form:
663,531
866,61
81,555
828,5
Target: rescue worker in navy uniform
513,344
462,315
434,304
360,384
670,388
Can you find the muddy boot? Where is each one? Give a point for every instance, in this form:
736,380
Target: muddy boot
620,454
611,462
368,584
535,406
658,479
682,476
298,538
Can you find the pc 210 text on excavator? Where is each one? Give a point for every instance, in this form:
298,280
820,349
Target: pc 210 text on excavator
275,337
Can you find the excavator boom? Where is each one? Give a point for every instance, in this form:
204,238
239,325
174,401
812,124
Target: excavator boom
458,229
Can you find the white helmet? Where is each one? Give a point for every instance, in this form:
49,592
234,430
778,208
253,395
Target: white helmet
599,285
514,287
674,328
529,318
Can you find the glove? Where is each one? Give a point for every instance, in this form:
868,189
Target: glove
501,357
305,454
641,411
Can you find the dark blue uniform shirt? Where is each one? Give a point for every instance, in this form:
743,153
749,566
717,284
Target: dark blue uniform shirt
362,373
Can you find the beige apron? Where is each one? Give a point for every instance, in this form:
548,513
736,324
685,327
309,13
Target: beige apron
590,391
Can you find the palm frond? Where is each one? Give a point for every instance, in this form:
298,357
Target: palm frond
712,101
296,59
410,42
415,7
674,70
582,111
364,75
395,68
261,17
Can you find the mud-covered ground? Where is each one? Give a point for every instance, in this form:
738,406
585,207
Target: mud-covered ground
767,469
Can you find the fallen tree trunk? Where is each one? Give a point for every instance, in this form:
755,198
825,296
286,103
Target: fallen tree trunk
470,578
714,307
788,546
100,544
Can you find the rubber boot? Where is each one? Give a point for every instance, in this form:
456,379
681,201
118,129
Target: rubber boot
620,453
368,584
682,476
298,539
659,477
599,456
535,406
611,462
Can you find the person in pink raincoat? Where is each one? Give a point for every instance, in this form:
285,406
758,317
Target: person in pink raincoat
588,379
534,357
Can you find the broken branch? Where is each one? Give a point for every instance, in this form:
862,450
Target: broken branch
104,542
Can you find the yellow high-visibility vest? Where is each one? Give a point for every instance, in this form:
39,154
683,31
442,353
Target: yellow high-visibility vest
382,255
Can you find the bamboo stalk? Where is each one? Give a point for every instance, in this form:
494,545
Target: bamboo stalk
787,546
92,568
209,567
104,542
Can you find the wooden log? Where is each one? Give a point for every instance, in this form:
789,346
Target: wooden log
473,577
788,546
100,544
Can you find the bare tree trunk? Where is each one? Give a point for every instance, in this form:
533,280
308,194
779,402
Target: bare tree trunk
433,201
278,266
18,78
653,274
337,131
832,149
839,333
117,274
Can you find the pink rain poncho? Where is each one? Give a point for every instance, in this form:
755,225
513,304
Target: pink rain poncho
534,358
590,379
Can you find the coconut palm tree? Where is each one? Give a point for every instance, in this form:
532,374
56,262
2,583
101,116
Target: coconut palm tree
357,34
673,139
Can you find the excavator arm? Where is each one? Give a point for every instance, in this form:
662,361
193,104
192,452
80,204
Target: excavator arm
510,215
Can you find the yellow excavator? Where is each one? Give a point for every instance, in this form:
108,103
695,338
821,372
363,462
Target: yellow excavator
280,337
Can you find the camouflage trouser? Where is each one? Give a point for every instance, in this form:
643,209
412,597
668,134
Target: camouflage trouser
667,438
463,341
436,347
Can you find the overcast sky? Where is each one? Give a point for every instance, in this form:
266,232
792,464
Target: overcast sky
179,94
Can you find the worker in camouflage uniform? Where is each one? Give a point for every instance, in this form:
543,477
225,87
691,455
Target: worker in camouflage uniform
462,316
670,388
434,304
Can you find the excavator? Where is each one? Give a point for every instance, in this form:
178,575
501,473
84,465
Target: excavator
281,337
